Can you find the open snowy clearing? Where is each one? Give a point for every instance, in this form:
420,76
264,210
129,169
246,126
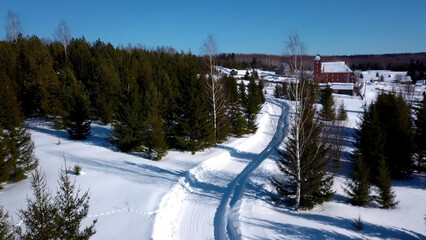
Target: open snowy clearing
219,193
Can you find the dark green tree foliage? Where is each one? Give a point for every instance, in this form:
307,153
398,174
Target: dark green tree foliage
17,149
128,123
386,130
327,112
254,101
385,197
71,210
342,115
420,136
358,188
38,82
194,129
81,58
6,230
106,81
305,148
236,115
38,219
78,118
260,92
155,139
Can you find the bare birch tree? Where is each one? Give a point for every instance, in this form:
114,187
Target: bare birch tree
214,88
62,34
13,27
303,162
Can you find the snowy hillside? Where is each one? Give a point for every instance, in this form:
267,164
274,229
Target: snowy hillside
219,193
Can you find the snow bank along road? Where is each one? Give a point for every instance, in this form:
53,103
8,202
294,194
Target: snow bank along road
205,203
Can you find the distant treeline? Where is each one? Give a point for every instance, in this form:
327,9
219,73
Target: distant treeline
394,62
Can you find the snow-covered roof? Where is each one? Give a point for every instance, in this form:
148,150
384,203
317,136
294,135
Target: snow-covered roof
335,67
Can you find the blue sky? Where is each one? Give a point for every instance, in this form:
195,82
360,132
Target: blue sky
329,27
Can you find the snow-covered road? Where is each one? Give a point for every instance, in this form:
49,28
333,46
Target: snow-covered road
205,203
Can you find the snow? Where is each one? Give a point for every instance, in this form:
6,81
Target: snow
334,67
219,193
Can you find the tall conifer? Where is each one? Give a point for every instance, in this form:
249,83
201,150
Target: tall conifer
78,119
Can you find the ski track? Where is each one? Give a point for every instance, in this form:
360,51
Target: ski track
205,203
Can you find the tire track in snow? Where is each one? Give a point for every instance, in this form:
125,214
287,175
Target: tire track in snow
197,206
224,224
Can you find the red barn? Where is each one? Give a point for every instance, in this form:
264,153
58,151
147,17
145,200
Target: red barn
332,72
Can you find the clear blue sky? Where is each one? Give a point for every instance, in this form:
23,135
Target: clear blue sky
326,26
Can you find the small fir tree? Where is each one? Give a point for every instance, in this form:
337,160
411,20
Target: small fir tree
359,186
72,209
38,219
78,121
327,112
385,197
342,114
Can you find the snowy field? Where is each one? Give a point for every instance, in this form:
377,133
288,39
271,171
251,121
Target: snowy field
219,193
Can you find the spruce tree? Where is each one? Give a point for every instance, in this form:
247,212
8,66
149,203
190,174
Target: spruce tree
129,120
71,210
193,130
420,136
236,115
304,163
155,140
6,229
342,115
17,148
78,119
38,219
253,105
385,197
327,112
386,130
359,186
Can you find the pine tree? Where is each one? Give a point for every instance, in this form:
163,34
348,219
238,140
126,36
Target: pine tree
78,121
342,115
327,112
359,186
155,139
420,136
6,230
39,217
385,197
128,120
72,209
305,161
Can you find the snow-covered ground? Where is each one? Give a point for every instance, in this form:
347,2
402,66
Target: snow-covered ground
219,193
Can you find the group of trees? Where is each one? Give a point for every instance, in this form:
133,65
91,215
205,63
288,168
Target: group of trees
155,100
389,145
48,216
416,70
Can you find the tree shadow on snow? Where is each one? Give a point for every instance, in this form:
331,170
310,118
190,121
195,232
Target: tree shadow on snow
98,136
305,232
